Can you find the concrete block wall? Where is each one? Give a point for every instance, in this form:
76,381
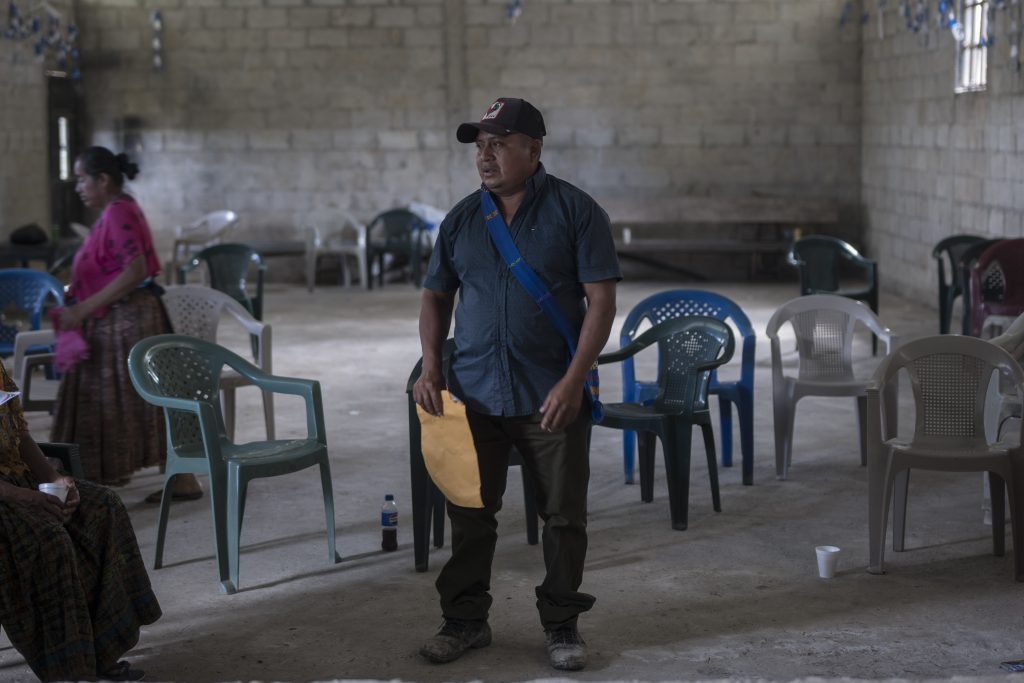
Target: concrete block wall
288,110
936,163
24,193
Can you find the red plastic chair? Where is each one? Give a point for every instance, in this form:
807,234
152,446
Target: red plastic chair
997,283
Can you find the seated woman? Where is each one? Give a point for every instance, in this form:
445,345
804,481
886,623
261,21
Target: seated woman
73,589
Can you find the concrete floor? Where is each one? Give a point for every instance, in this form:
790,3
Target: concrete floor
735,596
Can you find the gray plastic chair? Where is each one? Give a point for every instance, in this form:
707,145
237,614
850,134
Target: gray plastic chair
182,375
950,377
824,328
346,241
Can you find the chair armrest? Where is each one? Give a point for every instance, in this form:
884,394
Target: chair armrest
308,389
23,341
631,349
68,455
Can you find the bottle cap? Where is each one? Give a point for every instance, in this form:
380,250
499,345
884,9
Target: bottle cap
389,496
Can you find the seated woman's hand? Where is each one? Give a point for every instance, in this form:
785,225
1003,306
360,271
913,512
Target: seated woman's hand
73,499
37,500
70,317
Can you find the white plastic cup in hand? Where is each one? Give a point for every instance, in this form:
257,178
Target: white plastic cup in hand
55,488
828,555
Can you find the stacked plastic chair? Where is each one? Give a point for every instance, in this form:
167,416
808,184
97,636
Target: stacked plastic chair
824,328
685,302
689,349
950,377
997,284
950,251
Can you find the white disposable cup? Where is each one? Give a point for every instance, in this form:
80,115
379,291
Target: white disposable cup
827,557
55,489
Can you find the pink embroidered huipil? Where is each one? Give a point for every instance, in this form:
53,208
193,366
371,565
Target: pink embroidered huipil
120,234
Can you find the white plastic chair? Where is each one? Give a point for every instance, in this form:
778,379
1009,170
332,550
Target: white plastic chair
196,311
81,231
201,233
348,240
23,363
950,376
824,326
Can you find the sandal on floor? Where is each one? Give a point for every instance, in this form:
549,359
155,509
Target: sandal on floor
122,671
157,495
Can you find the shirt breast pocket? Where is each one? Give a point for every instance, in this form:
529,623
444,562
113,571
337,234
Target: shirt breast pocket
549,250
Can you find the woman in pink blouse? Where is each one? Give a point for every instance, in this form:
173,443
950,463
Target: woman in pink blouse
114,301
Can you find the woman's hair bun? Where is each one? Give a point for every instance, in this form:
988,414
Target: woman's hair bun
129,168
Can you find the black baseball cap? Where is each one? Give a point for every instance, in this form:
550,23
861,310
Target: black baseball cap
506,115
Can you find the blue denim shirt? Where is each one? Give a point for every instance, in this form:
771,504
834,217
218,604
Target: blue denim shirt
508,354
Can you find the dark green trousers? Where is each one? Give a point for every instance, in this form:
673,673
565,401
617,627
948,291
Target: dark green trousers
558,464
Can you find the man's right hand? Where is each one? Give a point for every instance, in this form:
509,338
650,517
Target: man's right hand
426,392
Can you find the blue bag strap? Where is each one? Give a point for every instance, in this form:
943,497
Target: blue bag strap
502,239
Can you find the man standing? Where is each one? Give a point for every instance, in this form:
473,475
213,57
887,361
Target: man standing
511,368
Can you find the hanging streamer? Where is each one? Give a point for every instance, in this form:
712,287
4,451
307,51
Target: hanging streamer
49,37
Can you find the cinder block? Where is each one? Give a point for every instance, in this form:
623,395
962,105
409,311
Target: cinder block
394,17
268,140
286,38
398,139
309,17
223,18
266,18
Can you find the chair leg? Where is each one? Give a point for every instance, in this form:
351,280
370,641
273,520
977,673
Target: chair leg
228,397
879,496
311,272
530,504
709,448
997,491
364,271
161,524
221,530
1014,489
862,427
901,487
675,445
945,308
725,420
745,410
645,446
233,528
628,453
328,490
422,493
785,410
268,414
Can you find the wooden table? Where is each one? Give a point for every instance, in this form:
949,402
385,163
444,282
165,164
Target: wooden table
774,221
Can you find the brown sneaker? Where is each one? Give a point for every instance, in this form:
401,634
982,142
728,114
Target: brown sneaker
566,649
453,639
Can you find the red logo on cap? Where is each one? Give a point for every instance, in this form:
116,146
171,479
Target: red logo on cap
493,111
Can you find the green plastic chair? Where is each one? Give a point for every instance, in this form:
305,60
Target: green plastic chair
228,266
689,349
182,375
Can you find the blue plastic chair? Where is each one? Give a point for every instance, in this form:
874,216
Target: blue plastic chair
182,375
24,293
688,302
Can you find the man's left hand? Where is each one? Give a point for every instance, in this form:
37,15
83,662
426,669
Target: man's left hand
562,405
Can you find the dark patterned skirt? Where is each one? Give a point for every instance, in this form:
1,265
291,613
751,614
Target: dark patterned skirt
72,596
98,408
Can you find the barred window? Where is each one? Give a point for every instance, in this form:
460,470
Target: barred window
972,50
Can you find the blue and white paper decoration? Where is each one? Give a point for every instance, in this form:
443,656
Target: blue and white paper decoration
41,24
